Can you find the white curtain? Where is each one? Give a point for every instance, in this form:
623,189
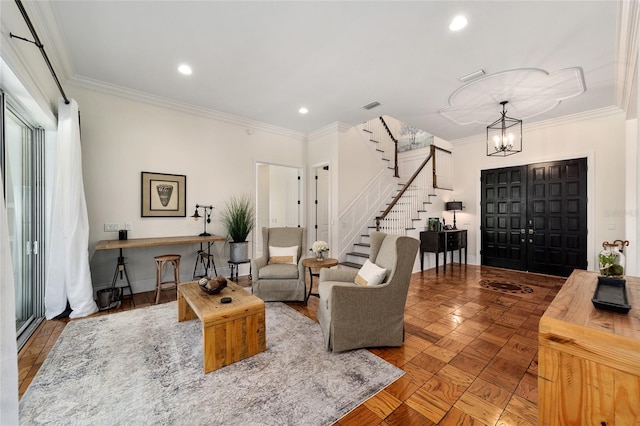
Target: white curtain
68,274
8,346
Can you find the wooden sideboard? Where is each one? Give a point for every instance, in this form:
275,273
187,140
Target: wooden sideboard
589,359
443,242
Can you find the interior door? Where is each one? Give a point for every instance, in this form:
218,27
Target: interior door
534,217
322,204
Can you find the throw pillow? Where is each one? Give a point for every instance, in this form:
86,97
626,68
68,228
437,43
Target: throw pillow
370,274
283,255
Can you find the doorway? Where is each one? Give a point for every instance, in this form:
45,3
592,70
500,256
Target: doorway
534,217
322,204
277,199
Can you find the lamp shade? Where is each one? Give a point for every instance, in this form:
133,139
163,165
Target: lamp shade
453,205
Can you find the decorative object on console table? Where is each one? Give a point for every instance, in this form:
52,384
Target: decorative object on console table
206,216
163,195
238,218
433,224
320,248
453,206
611,259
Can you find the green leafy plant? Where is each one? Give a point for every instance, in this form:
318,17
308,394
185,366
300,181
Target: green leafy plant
609,265
238,218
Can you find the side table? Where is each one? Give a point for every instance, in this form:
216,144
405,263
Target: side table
313,263
233,265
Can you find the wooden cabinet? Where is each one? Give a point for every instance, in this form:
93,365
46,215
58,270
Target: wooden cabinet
443,242
589,359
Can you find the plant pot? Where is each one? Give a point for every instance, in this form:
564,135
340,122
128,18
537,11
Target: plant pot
239,252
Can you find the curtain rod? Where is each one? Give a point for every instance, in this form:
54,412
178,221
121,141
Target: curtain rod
39,45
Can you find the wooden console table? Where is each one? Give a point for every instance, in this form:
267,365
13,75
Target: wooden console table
442,242
588,358
150,242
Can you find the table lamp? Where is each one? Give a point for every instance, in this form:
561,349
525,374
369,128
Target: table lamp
453,206
207,217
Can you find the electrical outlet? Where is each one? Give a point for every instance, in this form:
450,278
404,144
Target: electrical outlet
127,226
111,227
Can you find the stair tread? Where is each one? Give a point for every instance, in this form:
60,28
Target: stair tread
362,244
357,254
351,265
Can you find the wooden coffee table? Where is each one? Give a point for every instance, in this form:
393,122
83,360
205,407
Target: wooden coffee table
230,332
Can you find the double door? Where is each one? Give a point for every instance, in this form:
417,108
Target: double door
534,217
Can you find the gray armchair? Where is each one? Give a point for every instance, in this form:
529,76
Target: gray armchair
278,281
353,316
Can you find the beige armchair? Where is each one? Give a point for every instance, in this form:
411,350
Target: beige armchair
353,316
280,281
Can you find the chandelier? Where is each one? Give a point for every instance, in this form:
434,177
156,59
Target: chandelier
504,136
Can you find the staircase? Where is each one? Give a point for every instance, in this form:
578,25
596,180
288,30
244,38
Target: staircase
405,213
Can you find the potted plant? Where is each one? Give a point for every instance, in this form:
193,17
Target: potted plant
238,218
609,264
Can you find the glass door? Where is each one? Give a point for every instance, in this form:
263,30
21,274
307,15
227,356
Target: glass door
18,192
22,171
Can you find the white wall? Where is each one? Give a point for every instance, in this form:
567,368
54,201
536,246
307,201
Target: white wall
121,138
599,136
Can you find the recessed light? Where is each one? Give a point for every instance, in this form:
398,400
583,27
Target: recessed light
303,110
185,69
458,23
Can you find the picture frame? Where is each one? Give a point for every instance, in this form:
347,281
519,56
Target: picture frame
163,195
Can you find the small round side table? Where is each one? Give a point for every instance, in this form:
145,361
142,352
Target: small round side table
313,263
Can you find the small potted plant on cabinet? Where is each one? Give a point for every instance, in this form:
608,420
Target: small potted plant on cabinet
238,218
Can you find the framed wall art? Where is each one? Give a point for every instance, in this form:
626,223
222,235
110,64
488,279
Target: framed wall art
163,195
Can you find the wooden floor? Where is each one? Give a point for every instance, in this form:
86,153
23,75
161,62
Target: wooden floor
470,354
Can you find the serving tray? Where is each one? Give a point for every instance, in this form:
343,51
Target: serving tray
611,295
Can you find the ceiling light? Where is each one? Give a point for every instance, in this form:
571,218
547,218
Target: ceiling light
504,136
303,110
458,23
185,69
372,105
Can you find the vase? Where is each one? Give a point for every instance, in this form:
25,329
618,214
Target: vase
320,256
612,261
239,252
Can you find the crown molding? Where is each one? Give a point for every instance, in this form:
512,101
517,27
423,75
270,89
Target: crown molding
626,52
539,125
47,26
144,97
329,129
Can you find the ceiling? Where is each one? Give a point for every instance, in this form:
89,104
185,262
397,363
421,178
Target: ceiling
264,60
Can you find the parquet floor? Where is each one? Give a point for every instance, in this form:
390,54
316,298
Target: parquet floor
470,354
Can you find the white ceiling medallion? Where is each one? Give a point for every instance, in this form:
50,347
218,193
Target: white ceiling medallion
530,92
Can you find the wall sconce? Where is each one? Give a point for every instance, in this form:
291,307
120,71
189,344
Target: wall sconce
207,217
504,136
453,206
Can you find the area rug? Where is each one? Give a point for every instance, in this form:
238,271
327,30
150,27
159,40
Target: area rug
142,367
506,287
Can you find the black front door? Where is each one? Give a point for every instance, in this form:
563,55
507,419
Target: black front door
534,218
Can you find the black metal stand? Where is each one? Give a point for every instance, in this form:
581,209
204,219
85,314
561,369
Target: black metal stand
121,268
205,258
234,266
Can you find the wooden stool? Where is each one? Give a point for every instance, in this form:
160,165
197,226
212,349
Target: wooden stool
161,261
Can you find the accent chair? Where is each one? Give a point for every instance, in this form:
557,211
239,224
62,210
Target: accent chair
360,316
279,274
